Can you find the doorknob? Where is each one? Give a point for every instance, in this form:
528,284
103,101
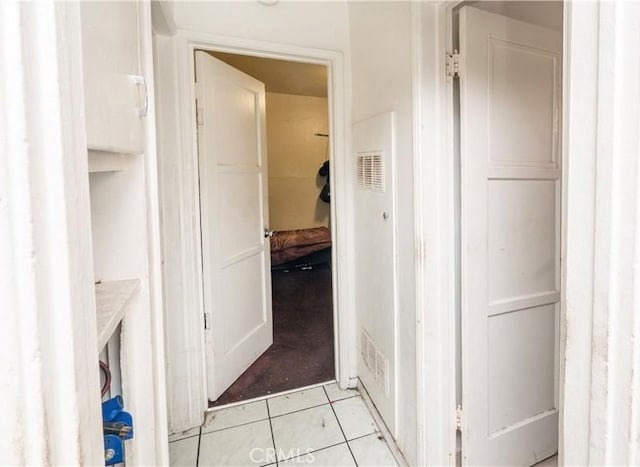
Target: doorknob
268,233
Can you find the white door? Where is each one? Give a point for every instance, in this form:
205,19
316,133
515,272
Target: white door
510,148
234,218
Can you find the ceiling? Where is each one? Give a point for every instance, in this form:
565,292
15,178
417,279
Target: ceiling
280,76
542,13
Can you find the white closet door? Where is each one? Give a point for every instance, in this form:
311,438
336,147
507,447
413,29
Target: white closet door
510,142
236,259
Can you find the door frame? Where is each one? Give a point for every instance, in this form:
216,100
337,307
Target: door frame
189,196
435,227
434,231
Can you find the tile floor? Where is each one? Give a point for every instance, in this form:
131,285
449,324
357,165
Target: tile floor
321,426
550,462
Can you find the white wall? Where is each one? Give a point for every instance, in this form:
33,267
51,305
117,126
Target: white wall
381,66
320,25
294,156
381,52
309,24
380,34
542,13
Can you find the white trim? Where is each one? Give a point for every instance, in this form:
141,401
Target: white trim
269,396
597,399
187,42
578,180
599,410
154,248
418,187
49,395
384,430
435,250
435,227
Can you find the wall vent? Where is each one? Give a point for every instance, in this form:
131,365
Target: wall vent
364,347
381,371
370,171
375,361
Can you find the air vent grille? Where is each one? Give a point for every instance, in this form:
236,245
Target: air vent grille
375,361
370,171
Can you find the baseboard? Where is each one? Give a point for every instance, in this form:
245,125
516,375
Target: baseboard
384,431
268,396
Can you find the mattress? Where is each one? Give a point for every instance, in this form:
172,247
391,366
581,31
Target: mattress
288,245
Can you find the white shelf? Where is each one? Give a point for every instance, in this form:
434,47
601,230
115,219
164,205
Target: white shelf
107,161
112,301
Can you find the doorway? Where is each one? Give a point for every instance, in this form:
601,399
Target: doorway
284,339
507,125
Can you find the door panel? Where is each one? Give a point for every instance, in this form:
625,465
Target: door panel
248,313
521,232
233,201
523,99
239,193
521,361
238,151
510,237
110,57
375,261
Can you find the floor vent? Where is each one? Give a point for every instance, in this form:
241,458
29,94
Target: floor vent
375,361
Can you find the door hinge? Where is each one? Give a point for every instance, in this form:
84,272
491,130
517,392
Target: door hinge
459,418
453,64
199,113
207,324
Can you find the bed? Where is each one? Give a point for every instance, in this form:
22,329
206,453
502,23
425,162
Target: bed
291,246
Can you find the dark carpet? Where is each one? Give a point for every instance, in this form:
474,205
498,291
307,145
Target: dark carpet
302,350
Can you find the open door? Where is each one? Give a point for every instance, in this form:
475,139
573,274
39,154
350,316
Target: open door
234,220
510,85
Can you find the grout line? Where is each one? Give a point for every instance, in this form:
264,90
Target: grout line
202,433
300,410
315,406
186,437
376,430
382,426
377,433
329,401
306,408
271,416
273,438
313,451
345,398
340,426
357,394
235,426
269,396
198,451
